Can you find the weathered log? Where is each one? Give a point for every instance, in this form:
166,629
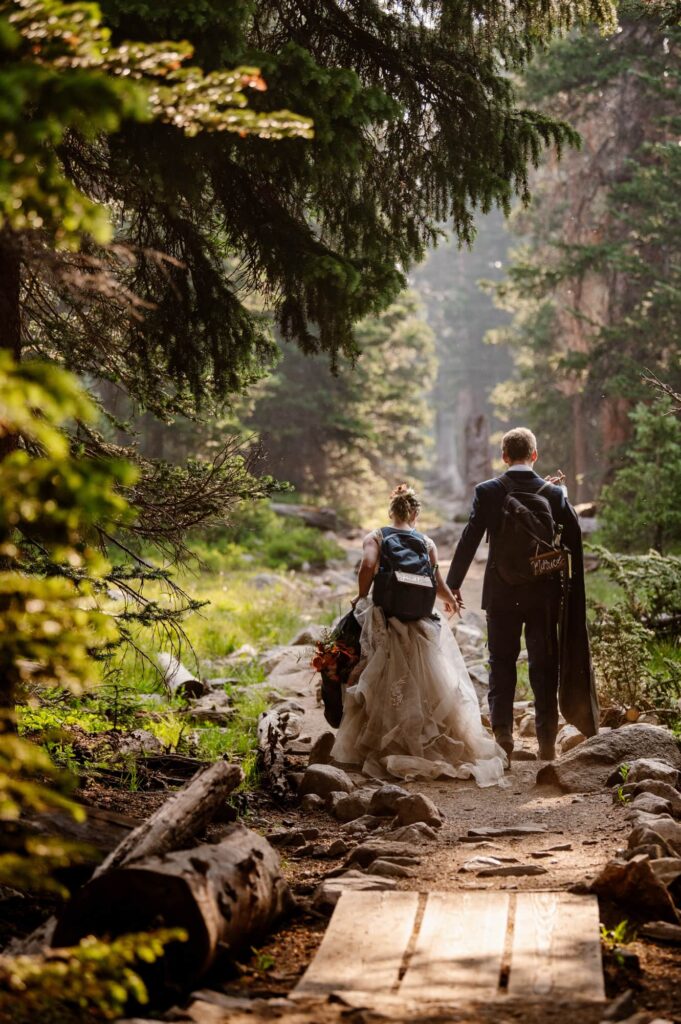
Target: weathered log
275,728
318,518
178,679
180,818
224,896
172,827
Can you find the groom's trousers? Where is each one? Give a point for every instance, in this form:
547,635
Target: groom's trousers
538,612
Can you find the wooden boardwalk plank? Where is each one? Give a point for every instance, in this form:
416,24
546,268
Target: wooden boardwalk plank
556,947
364,945
459,948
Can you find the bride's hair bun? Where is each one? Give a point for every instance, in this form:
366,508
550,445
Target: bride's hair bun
404,503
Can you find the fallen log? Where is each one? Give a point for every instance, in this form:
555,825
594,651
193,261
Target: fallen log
223,895
172,827
180,818
310,515
179,680
275,728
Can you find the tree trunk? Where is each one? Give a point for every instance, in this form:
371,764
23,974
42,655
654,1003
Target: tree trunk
579,450
223,895
10,316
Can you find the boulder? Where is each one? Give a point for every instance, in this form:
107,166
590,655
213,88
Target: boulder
656,788
312,802
660,769
381,849
320,751
418,807
663,931
658,829
329,891
323,779
651,804
352,805
309,636
527,726
389,869
139,741
415,833
215,707
384,800
587,767
568,738
633,885
365,823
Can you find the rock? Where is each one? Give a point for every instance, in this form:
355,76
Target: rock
511,870
311,802
329,891
657,788
524,755
417,807
332,799
309,636
651,804
621,1007
380,849
663,931
288,839
482,863
294,780
489,832
215,707
587,767
389,869
384,800
367,823
320,752
323,779
352,805
415,833
658,829
527,726
632,884
667,870
338,848
139,741
568,738
644,768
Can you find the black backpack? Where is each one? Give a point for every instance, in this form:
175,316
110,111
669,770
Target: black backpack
526,543
404,586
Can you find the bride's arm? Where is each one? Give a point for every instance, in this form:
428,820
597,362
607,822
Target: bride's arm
452,604
370,558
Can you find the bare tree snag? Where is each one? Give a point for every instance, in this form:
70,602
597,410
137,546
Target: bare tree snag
275,728
224,896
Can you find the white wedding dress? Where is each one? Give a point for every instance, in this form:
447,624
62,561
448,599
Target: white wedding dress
414,713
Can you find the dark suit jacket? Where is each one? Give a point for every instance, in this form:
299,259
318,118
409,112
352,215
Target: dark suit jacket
485,517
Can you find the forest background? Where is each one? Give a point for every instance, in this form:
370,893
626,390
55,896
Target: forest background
285,276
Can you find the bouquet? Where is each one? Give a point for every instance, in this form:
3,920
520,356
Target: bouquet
336,654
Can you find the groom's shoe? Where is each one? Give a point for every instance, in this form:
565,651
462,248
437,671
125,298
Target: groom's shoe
547,752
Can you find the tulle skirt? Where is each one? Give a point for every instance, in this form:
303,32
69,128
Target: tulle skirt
414,713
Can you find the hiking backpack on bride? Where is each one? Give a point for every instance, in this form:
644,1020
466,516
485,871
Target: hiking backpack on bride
404,586
528,545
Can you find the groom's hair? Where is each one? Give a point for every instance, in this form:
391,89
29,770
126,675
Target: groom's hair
518,444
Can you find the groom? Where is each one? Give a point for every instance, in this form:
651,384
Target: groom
535,605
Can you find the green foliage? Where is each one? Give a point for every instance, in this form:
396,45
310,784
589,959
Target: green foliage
49,627
649,584
620,935
257,534
85,984
621,657
642,506
347,437
61,75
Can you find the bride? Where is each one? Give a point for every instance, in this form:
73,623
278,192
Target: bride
412,712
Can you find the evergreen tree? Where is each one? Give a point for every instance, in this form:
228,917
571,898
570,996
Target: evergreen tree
347,437
595,289
642,506
425,128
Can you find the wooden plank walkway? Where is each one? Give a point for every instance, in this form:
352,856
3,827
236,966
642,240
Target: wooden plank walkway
464,946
